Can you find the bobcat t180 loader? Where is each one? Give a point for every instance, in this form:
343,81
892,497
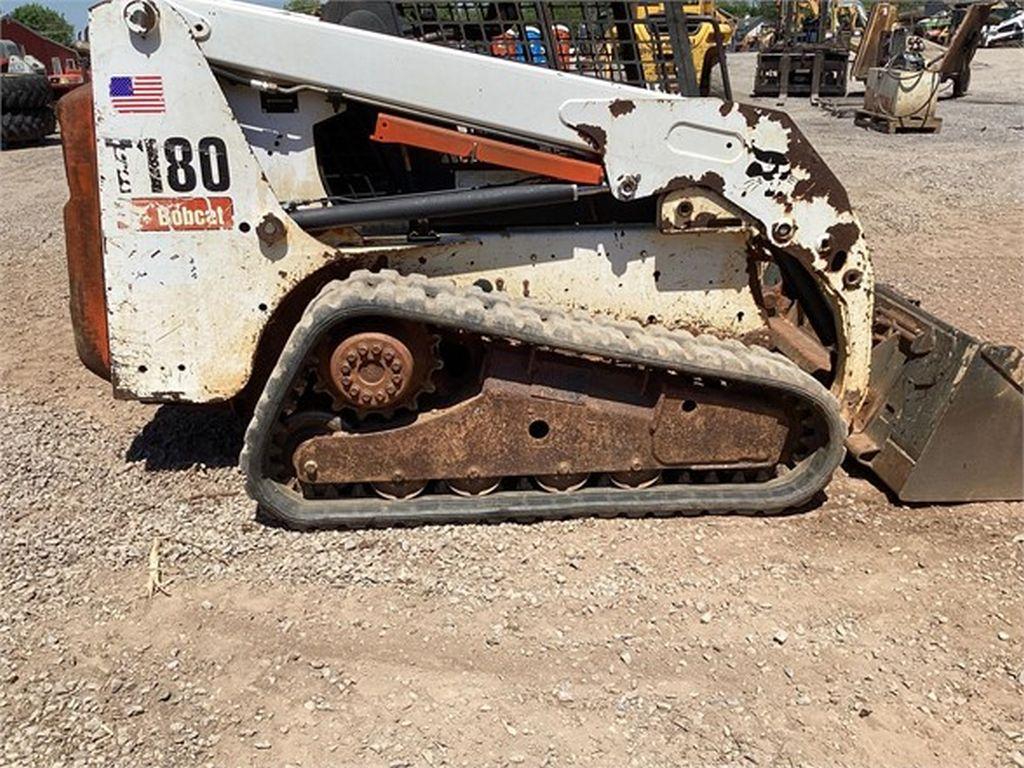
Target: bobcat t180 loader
468,288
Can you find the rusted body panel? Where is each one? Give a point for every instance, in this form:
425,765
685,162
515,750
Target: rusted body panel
82,231
629,420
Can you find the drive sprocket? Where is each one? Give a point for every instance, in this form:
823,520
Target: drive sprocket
377,368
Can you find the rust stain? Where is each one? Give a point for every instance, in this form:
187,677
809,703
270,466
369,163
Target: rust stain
621,107
843,236
82,226
709,180
820,181
558,404
750,114
594,135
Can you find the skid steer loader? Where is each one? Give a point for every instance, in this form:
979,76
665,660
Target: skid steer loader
466,288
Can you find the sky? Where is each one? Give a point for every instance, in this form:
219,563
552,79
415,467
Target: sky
77,11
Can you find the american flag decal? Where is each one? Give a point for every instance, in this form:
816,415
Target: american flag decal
137,95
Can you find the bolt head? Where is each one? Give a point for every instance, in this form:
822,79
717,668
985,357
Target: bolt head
310,469
782,231
627,186
141,16
852,278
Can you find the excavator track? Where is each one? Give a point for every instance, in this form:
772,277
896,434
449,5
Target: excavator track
442,304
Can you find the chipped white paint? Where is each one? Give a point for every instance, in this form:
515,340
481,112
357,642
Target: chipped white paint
282,141
698,282
755,167
187,308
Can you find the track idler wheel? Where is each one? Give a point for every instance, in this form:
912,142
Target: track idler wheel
402,489
473,486
561,483
643,478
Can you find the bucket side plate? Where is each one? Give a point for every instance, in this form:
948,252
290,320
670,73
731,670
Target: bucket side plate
943,420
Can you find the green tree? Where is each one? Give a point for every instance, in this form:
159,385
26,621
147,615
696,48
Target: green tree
46,21
312,7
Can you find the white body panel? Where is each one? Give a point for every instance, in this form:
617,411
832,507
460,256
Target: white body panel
627,273
285,150
187,308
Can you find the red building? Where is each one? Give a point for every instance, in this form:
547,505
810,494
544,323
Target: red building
63,64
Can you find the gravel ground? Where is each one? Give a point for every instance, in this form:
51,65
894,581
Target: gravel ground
859,633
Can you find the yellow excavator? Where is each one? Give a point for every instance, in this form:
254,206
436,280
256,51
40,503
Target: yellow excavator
708,29
654,30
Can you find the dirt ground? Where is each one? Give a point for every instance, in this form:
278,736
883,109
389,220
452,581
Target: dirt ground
860,633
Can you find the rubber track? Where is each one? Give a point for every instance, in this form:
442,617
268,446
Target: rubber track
440,302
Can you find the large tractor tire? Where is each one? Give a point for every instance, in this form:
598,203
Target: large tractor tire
29,126
27,106
25,92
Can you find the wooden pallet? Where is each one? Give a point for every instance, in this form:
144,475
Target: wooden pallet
927,123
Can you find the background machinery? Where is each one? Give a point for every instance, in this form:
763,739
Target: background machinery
459,287
810,50
902,82
1005,25
26,97
671,47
